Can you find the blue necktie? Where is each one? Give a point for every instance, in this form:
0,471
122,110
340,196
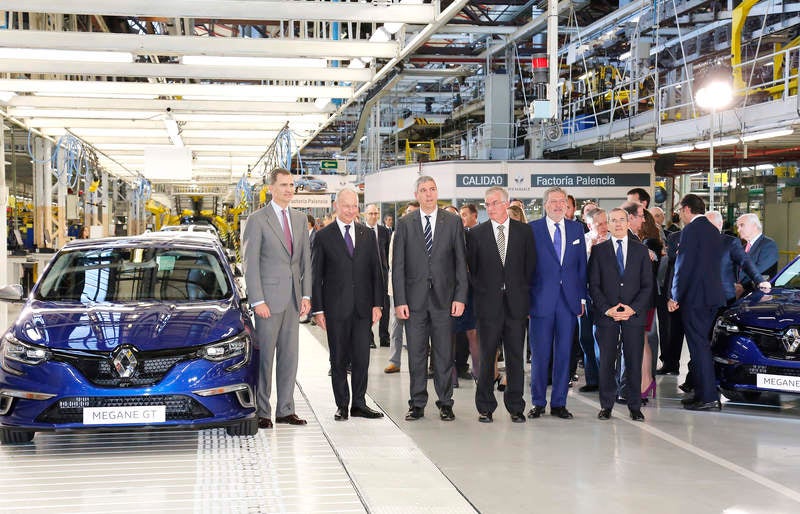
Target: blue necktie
428,236
620,258
557,242
348,241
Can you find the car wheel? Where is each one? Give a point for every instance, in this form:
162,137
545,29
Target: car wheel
9,436
247,427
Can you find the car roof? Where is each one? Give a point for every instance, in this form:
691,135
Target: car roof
206,240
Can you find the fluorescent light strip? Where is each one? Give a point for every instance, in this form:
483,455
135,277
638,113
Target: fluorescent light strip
767,134
663,150
48,54
261,62
725,141
606,161
640,154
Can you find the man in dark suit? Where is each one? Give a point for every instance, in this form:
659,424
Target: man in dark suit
672,346
501,258
735,258
697,291
558,295
347,299
621,287
429,282
277,271
762,250
383,235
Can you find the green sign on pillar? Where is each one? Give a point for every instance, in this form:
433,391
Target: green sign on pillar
328,165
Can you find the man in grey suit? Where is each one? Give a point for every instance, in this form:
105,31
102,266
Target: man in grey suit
277,271
429,282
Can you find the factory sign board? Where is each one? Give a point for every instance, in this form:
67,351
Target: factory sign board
311,201
591,180
481,180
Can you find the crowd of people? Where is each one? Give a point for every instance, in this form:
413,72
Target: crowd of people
611,290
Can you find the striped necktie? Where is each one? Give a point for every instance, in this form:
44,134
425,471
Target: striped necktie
428,236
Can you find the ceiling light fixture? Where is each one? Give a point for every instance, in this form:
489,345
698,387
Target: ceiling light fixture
767,134
639,154
48,54
663,150
608,160
263,62
725,141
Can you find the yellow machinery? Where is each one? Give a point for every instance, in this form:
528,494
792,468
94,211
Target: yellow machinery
426,148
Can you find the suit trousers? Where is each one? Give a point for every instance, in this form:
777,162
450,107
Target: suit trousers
671,348
510,333
609,339
383,324
396,328
586,339
348,344
277,338
551,336
697,322
434,325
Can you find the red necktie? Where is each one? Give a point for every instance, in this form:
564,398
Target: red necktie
287,234
747,247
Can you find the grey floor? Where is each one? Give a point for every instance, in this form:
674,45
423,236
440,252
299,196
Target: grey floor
742,460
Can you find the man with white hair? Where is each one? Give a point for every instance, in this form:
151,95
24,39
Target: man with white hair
762,250
734,258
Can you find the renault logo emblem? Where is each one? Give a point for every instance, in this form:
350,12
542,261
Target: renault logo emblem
125,361
791,340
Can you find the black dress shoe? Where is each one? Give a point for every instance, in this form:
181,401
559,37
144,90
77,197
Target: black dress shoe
518,417
604,414
686,387
372,344
385,343
715,405
637,415
663,370
485,417
264,423
291,419
688,400
414,413
446,413
588,388
365,412
621,400
536,411
560,412
341,414
465,375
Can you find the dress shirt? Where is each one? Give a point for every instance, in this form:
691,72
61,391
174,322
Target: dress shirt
551,228
505,224
277,208
352,229
624,248
752,242
433,221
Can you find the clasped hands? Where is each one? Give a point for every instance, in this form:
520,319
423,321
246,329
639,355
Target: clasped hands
456,310
620,315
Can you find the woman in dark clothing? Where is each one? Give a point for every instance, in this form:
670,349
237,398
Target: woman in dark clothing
651,238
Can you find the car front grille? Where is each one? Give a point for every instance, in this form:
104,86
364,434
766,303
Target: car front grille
99,370
770,343
70,410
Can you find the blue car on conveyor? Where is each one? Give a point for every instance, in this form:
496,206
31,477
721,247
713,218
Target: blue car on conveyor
756,342
137,332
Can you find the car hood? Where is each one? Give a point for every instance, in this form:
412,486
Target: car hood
777,310
147,326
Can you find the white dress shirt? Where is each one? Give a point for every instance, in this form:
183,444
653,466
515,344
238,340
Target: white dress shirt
277,208
433,221
551,228
624,248
352,225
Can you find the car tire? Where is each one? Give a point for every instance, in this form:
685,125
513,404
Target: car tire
9,436
247,427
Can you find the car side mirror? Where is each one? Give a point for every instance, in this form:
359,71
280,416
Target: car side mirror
12,293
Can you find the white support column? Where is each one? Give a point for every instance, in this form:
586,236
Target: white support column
61,193
3,228
45,152
106,201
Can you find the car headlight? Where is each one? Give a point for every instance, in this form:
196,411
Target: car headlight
238,346
727,326
12,349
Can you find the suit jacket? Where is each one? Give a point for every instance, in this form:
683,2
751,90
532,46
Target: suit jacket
764,254
384,237
634,288
672,254
551,277
697,278
735,258
442,277
343,285
495,285
270,273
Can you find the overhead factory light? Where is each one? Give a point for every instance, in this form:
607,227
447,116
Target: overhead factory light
393,28
663,150
6,96
173,131
264,62
639,154
381,35
321,103
606,161
725,141
48,54
767,134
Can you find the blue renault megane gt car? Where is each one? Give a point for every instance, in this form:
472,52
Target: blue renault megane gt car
147,331
756,343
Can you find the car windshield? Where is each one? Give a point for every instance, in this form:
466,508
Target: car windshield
790,277
135,274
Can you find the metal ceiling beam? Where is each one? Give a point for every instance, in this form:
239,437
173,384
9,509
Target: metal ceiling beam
184,71
146,44
237,9
42,103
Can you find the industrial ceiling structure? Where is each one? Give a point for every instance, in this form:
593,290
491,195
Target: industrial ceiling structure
237,82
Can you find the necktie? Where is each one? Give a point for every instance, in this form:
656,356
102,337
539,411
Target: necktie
747,247
620,258
557,242
501,243
287,233
428,235
348,241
